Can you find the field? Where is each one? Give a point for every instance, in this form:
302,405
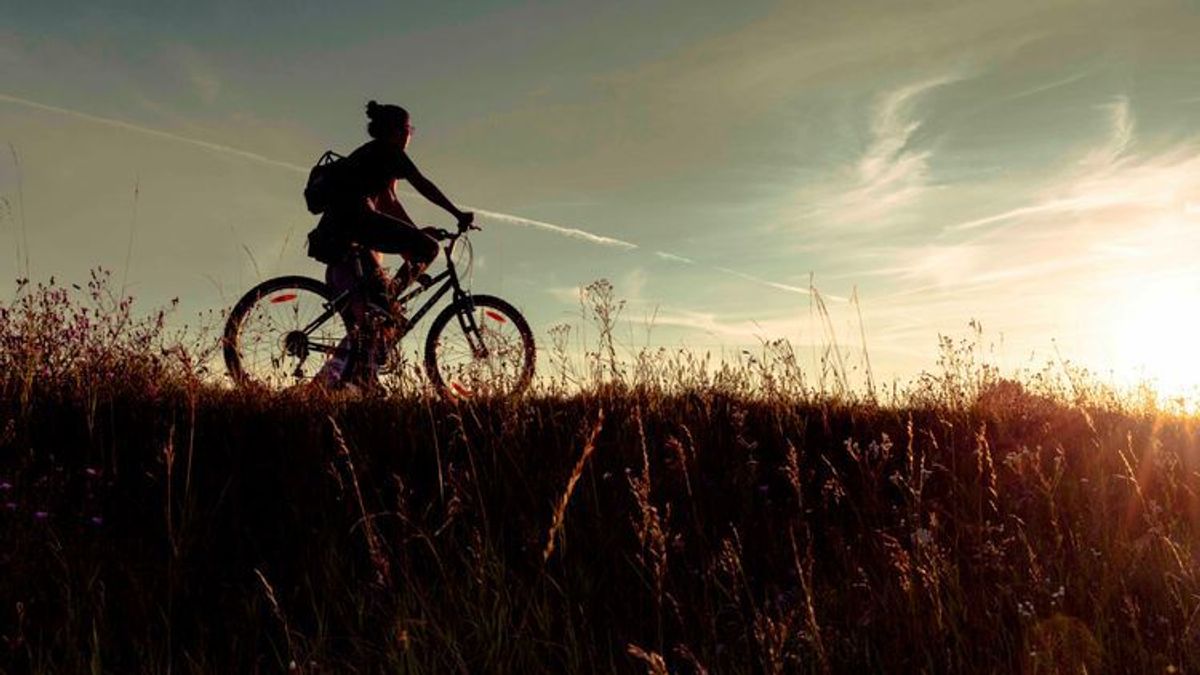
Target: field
649,515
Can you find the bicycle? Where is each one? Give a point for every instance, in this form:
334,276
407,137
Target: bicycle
285,330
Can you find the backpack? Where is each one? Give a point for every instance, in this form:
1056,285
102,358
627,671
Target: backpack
324,182
326,245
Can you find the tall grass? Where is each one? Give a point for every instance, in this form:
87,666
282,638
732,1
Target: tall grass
714,518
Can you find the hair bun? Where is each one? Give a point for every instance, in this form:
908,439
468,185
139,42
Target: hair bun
372,109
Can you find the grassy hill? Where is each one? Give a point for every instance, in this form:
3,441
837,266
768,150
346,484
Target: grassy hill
153,521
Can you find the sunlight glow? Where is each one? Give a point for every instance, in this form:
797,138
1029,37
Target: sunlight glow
1153,336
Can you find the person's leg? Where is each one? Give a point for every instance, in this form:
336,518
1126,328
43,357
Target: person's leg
378,334
341,276
378,232
389,235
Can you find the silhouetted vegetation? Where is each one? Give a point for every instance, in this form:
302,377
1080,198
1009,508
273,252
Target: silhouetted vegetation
653,513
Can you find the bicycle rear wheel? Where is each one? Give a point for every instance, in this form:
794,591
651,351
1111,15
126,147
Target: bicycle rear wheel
267,345
480,346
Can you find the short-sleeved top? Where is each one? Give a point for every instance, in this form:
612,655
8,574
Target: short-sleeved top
372,167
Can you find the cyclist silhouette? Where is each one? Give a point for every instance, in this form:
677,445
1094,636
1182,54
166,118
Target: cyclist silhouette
366,219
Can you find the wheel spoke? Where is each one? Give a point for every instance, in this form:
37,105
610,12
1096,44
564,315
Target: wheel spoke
270,345
492,359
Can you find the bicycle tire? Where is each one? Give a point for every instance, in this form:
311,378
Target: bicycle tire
231,339
497,311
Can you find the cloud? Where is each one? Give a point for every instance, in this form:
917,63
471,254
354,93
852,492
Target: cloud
1072,260
1108,177
893,171
1120,136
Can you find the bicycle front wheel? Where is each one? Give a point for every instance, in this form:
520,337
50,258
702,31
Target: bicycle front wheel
285,332
480,346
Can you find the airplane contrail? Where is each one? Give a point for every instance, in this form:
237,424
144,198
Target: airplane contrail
799,290
561,230
674,258
551,227
572,232
108,121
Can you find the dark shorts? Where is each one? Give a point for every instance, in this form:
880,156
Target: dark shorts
378,232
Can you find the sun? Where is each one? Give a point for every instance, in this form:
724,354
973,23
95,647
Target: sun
1155,336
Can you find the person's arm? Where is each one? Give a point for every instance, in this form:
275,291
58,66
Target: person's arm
386,203
431,192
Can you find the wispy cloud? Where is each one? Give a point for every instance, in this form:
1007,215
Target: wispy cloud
1109,154
1108,176
893,171
1081,252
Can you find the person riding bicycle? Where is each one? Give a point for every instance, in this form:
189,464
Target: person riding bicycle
366,220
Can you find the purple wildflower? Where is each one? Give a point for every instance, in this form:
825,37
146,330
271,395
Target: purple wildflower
41,515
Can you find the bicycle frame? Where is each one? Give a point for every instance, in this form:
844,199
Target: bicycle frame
451,285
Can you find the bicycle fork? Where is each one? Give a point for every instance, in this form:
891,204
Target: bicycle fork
466,320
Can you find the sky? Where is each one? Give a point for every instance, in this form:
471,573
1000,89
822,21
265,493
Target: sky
1031,166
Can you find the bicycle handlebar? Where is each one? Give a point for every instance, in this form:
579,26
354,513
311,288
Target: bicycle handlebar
442,234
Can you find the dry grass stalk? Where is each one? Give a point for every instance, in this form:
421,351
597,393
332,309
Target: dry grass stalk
276,610
681,461
986,469
560,511
379,561
652,538
804,567
655,664
686,654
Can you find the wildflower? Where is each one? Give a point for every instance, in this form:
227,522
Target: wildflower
97,520
1025,609
41,515
92,472
5,485
11,506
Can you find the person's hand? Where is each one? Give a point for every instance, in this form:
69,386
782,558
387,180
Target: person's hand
466,220
435,232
